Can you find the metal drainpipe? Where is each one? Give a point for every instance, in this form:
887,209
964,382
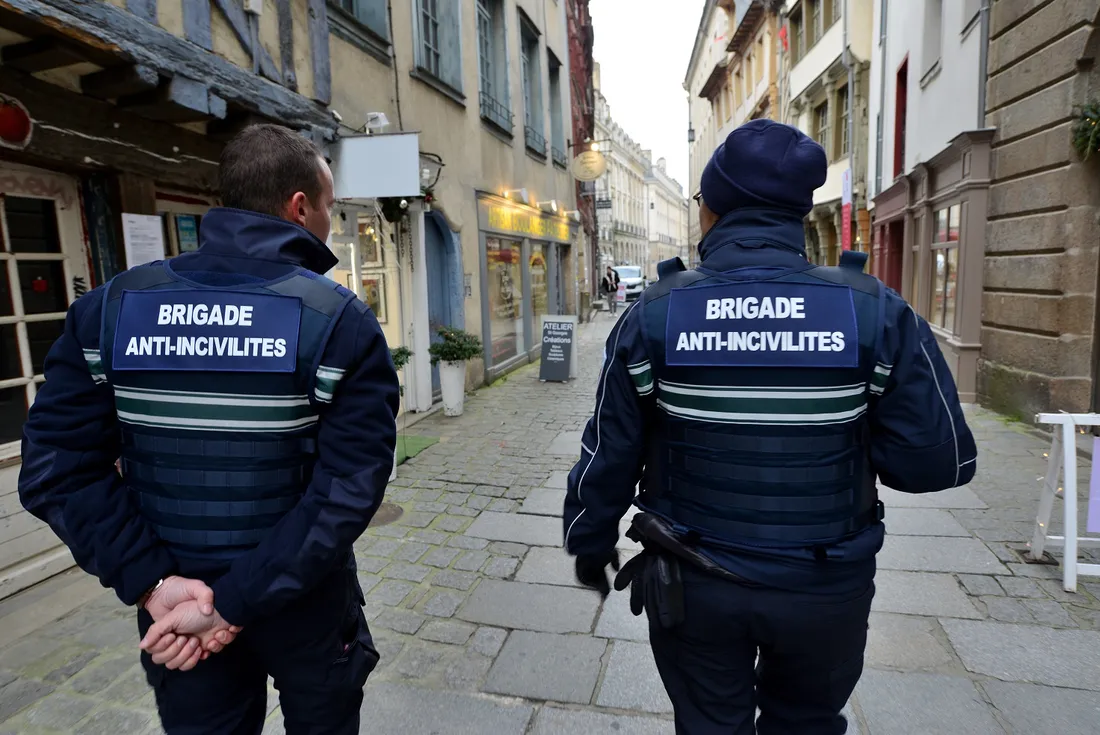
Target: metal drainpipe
983,56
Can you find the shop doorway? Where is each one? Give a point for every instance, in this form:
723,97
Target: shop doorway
441,257
895,240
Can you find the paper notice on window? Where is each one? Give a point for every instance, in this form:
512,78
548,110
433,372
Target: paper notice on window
143,237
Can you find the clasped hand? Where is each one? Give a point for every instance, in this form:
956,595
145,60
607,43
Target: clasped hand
186,628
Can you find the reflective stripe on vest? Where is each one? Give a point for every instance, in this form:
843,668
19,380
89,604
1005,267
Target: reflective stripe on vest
215,459
762,446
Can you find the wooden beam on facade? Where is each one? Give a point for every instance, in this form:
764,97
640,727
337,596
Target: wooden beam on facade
319,51
40,54
105,27
76,131
120,81
144,9
286,42
178,100
238,21
196,24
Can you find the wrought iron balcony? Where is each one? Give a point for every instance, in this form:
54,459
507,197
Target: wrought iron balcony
559,156
496,113
535,142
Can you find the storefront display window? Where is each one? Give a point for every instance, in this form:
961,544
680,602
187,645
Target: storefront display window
945,259
505,298
540,287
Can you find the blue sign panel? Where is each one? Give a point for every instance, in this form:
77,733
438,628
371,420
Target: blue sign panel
217,331
762,324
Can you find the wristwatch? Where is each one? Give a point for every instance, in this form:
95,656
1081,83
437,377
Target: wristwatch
149,593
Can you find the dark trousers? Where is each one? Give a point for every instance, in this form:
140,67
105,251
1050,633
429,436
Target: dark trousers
317,649
810,657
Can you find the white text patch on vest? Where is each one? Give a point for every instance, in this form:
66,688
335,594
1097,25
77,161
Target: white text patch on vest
750,307
208,346
228,315
761,341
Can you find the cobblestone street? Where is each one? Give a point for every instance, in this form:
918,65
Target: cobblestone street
482,628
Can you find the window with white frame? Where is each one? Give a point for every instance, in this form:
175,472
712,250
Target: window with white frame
439,47
821,127
842,121
493,64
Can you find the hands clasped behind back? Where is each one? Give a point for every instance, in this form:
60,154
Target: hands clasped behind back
186,627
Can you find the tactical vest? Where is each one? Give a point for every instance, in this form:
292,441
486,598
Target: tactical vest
216,401
762,387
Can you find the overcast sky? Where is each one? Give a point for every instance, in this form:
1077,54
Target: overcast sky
643,48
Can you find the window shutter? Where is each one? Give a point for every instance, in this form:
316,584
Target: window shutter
450,44
372,14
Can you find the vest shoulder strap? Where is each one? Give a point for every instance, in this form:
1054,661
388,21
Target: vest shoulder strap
140,278
316,292
853,259
676,279
848,274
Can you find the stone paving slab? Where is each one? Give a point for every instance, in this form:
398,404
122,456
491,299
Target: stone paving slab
939,554
544,501
1033,709
896,703
957,497
906,642
631,681
616,620
537,607
557,721
566,444
401,709
544,565
1028,653
558,480
923,522
521,529
559,668
921,593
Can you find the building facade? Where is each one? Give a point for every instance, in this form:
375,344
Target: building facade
583,100
751,90
620,193
928,168
1039,342
666,217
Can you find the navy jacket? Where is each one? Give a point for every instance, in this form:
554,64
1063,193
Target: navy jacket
71,442
919,438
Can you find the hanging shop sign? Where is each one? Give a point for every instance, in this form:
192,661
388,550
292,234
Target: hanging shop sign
15,123
589,166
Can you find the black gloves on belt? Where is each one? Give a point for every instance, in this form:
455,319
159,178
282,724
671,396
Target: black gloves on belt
591,570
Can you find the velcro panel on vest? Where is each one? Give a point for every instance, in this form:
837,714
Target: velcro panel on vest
741,501
219,448
755,444
818,532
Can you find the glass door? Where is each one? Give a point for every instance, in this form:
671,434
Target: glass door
43,268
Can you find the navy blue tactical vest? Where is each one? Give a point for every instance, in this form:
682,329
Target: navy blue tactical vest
762,386
217,405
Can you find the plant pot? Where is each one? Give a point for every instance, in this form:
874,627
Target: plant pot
452,382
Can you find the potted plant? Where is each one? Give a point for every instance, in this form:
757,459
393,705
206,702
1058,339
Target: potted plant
451,355
400,357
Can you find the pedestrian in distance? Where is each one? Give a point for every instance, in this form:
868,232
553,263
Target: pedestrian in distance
252,402
610,285
756,399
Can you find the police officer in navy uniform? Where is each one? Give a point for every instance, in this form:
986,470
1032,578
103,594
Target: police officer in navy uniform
756,399
252,402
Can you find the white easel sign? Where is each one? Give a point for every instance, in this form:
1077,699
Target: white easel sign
1063,462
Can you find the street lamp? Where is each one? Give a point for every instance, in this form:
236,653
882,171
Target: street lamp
517,195
549,205
431,166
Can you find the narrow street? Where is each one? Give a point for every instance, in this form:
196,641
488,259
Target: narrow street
482,628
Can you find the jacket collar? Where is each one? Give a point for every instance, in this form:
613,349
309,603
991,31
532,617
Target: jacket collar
752,237
237,233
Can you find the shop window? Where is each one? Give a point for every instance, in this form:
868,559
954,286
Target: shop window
540,286
505,287
439,46
945,259
492,64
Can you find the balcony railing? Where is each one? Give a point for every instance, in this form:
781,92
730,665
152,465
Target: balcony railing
496,113
535,142
559,156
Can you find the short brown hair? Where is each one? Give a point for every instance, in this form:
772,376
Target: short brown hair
265,165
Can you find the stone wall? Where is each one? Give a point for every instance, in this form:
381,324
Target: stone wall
1039,300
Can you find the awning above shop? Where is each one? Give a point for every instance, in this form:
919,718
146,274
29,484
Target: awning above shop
373,166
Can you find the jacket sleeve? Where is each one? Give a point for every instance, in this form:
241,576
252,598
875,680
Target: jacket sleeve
68,477
356,440
602,484
919,438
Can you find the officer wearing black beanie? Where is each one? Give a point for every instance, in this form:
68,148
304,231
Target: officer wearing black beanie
756,401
